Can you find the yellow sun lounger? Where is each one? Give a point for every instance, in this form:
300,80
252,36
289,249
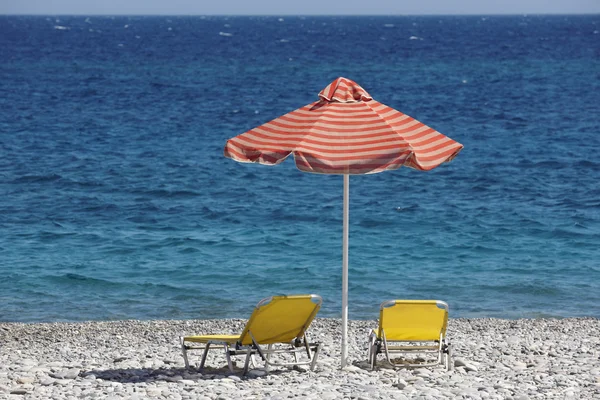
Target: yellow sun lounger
275,321
411,327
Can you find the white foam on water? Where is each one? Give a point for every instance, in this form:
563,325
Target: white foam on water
225,34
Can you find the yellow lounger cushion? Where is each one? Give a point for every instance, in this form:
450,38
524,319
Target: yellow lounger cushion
230,339
417,320
281,320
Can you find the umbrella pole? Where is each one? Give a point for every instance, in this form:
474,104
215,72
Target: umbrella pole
345,271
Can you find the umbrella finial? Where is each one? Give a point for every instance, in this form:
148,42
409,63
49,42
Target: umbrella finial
344,90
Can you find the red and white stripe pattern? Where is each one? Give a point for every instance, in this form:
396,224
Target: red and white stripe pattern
345,132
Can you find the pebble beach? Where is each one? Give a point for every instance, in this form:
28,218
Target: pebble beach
492,358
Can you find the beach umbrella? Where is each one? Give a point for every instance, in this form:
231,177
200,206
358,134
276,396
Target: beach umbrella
345,132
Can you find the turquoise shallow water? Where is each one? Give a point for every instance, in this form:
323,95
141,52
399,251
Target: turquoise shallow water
117,202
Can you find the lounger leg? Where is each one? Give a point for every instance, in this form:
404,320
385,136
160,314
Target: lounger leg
313,363
204,355
441,351
248,356
228,356
295,355
184,351
373,359
372,350
307,346
449,364
268,356
385,348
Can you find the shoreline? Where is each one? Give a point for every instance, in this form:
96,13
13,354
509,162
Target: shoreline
494,359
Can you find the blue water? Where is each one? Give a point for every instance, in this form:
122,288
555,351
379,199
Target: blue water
117,201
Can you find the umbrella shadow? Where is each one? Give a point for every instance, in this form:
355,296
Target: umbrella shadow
146,375
318,105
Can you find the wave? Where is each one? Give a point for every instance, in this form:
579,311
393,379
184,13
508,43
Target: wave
168,194
37,178
588,164
80,279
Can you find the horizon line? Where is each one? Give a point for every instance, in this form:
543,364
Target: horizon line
301,15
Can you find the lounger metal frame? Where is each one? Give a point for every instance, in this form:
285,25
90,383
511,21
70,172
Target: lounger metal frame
296,348
377,345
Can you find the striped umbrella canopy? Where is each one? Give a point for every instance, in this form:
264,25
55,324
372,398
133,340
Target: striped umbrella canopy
344,132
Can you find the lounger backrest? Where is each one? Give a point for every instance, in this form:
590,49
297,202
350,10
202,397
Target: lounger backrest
413,319
281,319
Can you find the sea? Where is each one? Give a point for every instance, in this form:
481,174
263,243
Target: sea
116,201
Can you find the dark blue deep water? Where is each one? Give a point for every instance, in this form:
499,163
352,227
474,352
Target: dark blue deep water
117,203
